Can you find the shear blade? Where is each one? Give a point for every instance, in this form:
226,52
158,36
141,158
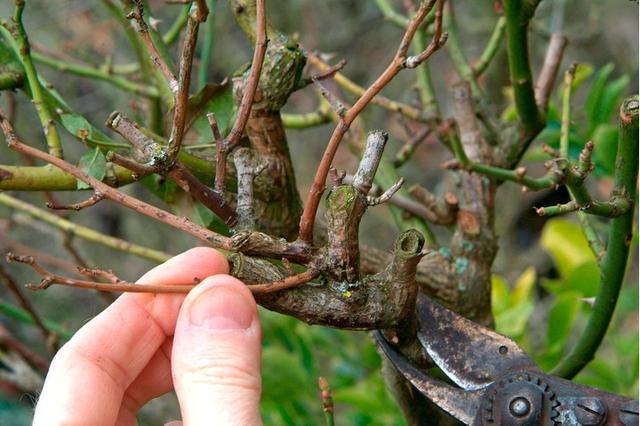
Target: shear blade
458,403
471,355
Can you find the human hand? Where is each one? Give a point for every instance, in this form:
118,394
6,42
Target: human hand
206,346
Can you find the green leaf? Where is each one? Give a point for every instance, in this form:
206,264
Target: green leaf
595,93
214,98
11,70
513,321
583,72
165,189
560,322
280,386
611,98
605,139
74,123
523,289
500,295
583,280
79,127
94,164
202,215
567,245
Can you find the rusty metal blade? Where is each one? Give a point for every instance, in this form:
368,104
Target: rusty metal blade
460,404
471,355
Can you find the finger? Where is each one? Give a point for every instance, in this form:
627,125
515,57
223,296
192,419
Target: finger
153,381
89,375
216,355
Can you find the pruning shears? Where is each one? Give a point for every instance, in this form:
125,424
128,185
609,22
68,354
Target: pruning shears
498,384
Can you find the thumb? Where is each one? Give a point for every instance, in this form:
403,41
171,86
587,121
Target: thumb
216,355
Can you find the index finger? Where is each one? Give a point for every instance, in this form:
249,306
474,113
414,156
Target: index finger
90,374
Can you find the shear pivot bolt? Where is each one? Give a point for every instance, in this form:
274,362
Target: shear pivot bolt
590,412
519,407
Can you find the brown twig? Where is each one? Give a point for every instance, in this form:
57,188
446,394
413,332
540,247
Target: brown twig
287,283
139,170
113,194
550,68
7,339
223,148
245,172
184,80
91,201
43,257
326,73
405,109
443,210
399,62
115,284
213,200
143,29
254,78
146,150
221,158
407,150
334,102
25,303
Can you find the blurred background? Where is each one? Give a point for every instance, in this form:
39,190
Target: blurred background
545,274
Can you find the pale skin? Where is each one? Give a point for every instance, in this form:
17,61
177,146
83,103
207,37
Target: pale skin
206,346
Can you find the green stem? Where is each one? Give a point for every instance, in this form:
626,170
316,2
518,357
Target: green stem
454,47
492,47
89,72
391,15
149,71
172,35
23,316
424,83
595,242
565,124
207,45
310,119
385,178
46,118
548,181
518,13
84,232
49,178
615,261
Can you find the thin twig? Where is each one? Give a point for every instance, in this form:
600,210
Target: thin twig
184,80
254,78
327,73
408,149
147,151
8,340
221,158
550,67
42,107
83,232
384,102
143,29
223,148
117,285
327,400
492,47
399,62
25,303
91,201
113,194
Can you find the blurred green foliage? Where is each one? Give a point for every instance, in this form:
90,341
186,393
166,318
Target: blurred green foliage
546,319
295,354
